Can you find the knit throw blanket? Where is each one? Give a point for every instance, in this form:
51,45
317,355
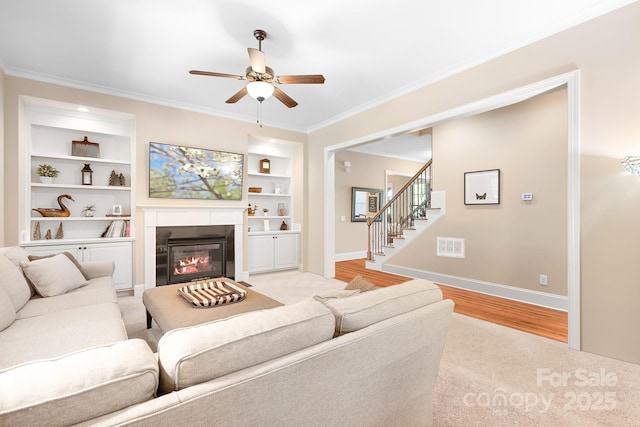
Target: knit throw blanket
212,292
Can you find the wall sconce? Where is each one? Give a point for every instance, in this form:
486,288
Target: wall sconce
347,166
631,164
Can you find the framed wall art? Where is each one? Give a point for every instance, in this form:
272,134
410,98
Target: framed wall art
180,172
482,187
365,203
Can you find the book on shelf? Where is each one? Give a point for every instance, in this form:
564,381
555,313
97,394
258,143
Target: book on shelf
118,228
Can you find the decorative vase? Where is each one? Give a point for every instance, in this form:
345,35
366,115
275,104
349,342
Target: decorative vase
88,214
46,179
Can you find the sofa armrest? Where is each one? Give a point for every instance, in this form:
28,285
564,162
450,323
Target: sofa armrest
78,386
93,269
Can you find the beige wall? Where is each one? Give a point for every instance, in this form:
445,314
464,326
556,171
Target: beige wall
153,123
605,52
512,243
367,171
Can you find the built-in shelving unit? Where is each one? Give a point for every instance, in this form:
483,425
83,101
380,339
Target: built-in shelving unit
49,127
271,248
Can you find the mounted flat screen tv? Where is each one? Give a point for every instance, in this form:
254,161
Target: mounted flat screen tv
179,172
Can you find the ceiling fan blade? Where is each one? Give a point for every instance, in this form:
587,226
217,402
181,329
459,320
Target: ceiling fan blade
257,60
307,79
211,73
284,98
237,96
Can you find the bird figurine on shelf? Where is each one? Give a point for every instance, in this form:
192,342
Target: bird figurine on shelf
54,212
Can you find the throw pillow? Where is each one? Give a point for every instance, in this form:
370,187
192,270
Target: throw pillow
360,283
67,254
7,310
16,255
13,282
53,276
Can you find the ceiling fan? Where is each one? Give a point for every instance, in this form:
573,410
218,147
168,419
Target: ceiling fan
262,79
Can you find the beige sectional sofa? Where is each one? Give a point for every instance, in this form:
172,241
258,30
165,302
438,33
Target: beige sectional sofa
347,358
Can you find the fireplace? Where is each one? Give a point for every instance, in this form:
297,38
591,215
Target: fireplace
187,253
193,259
162,223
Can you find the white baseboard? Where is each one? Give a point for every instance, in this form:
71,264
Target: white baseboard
350,255
543,299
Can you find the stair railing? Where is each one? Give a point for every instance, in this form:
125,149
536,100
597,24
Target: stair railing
399,213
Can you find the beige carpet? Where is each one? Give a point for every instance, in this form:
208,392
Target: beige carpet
490,375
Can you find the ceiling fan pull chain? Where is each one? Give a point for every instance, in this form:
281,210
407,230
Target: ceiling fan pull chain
259,121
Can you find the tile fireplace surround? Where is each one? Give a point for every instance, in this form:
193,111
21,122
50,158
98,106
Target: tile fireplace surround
164,216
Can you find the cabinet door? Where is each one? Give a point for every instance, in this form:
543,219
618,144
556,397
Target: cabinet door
260,256
75,250
120,254
286,251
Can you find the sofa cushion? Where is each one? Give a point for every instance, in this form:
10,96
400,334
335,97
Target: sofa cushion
53,276
13,282
67,254
7,310
335,293
54,334
78,386
86,295
367,308
196,354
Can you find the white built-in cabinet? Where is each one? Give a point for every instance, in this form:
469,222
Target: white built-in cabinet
269,247
278,251
49,127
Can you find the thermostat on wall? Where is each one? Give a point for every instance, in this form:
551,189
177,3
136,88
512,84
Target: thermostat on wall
527,196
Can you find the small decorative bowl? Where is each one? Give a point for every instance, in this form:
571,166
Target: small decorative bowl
255,189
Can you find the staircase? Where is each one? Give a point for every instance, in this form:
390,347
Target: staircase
405,216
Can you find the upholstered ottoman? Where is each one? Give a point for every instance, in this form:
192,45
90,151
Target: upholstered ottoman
171,311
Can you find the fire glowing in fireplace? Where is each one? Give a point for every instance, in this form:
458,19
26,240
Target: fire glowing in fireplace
192,265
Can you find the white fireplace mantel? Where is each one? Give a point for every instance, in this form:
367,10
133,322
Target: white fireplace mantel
167,216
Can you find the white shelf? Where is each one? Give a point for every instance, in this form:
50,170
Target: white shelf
264,233
269,216
79,218
268,175
269,195
81,159
83,187
56,242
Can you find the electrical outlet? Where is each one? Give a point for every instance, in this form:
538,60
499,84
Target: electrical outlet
543,279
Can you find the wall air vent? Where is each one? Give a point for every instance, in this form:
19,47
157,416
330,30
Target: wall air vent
452,247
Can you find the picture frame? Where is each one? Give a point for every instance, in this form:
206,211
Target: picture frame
365,203
482,187
182,172
265,166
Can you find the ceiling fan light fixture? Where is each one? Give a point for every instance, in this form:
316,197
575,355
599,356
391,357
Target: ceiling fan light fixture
260,90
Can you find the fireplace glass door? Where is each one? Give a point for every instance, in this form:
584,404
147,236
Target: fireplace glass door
194,259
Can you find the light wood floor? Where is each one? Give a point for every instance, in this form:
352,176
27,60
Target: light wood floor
525,317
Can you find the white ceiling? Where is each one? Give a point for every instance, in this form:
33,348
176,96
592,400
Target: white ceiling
406,147
368,51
